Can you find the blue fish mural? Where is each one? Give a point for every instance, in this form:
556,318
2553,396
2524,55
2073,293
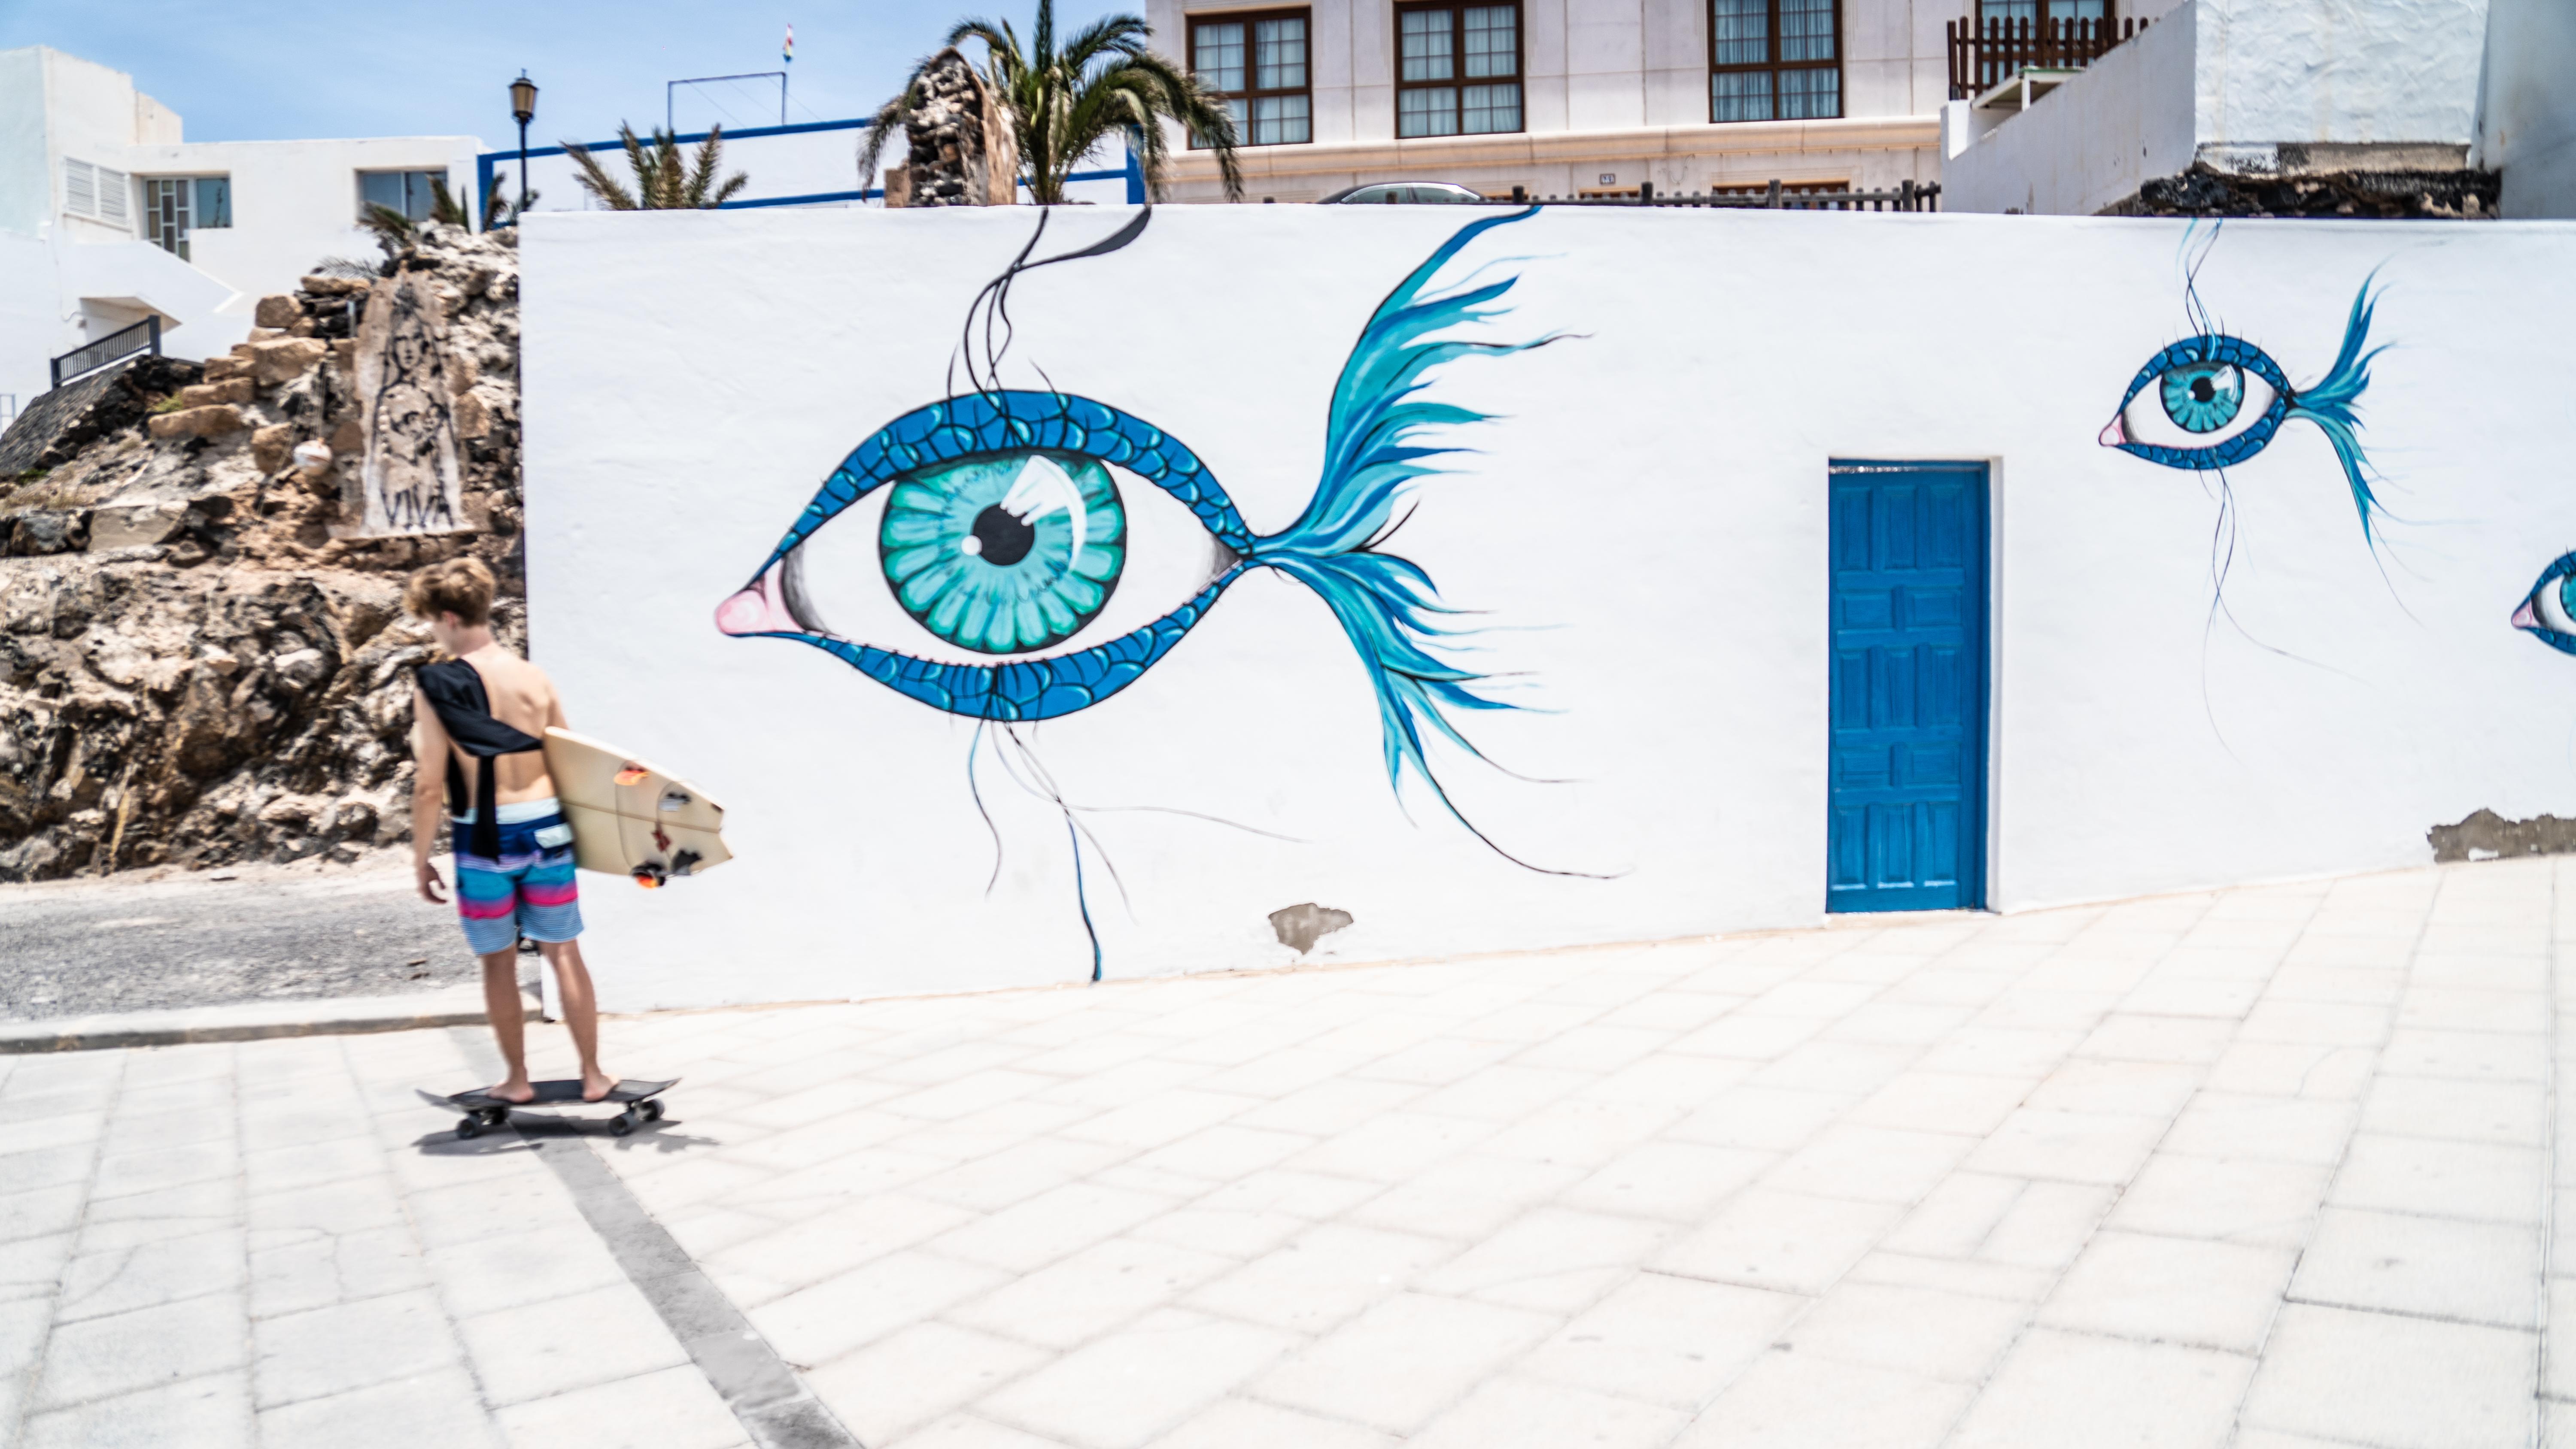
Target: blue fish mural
1004,533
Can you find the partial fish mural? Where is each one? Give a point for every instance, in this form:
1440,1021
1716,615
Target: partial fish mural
1005,534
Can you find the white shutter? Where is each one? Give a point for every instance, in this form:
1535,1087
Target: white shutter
80,188
114,192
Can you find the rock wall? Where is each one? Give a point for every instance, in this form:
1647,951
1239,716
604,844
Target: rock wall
959,150
201,660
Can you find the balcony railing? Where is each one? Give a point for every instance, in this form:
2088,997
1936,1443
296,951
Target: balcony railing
143,336
1986,53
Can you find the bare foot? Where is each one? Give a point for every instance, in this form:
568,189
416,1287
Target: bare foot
516,1090
595,1085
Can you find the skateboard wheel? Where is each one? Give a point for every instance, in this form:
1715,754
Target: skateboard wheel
652,1111
621,1124
469,1128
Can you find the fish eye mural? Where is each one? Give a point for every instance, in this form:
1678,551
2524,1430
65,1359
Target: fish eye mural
2212,400
2548,612
1006,532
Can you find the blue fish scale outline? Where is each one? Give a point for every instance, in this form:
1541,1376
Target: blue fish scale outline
1016,421
1026,689
1387,606
2213,347
2558,570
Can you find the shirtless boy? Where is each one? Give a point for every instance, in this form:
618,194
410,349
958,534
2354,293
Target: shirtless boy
520,881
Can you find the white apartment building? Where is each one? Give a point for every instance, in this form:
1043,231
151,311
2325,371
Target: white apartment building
1566,97
108,216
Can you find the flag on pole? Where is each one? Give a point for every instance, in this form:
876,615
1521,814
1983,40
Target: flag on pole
787,51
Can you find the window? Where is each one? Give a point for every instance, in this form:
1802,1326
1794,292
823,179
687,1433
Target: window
1257,64
1458,69
97,192
174,206
405,191
1774,60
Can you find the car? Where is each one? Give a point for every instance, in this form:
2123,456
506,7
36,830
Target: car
1438,193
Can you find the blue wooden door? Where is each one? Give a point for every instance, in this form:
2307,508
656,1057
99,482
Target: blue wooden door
1908,771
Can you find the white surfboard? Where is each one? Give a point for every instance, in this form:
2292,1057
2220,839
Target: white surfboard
629,818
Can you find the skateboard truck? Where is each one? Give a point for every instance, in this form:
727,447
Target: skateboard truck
651,874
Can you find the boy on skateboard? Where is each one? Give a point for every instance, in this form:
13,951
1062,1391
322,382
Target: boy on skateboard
481,714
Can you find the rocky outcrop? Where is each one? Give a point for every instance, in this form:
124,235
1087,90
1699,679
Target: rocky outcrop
959,146
2205,190
201,659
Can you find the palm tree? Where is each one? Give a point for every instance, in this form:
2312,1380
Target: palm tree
664,179
1063,105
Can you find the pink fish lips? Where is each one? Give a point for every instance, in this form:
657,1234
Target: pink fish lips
760,607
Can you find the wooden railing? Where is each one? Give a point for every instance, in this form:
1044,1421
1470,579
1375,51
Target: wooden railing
1985,54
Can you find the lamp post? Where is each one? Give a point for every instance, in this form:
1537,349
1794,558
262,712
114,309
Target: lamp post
523,104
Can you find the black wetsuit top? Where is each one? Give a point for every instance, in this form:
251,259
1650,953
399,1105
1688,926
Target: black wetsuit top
455,690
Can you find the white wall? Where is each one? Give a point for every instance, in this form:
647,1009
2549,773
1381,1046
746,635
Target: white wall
2527,119
296,202
2090,142
25,199
2230,80
1644,525
2339,70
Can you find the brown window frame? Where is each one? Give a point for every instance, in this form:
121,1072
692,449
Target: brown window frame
1459,80
1249,19
1774,66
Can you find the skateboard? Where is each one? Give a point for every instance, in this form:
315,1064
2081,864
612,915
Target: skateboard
483,1114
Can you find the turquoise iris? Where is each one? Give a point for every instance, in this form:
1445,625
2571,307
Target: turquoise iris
2202,397
1005,553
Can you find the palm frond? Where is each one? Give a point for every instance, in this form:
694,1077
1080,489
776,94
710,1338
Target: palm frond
1066,100
594,178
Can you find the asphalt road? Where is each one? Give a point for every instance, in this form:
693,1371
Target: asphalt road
263,934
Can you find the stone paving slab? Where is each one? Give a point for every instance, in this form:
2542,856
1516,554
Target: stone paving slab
2270,1168
2267,1167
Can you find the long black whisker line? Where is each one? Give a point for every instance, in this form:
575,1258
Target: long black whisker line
1046,789
1080,901
2221,538
1192,814
977,793
1053,794
1461,818
1413,506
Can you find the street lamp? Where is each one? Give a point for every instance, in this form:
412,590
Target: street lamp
523,104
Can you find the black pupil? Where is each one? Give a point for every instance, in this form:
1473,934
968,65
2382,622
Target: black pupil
2202,390
1005,540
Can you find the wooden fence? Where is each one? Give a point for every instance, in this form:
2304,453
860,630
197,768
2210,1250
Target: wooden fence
1984,54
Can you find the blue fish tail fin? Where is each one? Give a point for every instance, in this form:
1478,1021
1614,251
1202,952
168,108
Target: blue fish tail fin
1373,449
2331,403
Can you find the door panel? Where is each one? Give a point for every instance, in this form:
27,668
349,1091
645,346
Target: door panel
1906,822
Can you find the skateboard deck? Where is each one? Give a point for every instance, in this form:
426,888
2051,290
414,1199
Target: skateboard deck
629,818
483,1113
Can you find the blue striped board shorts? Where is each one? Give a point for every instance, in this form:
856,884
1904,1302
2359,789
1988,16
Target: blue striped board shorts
527,890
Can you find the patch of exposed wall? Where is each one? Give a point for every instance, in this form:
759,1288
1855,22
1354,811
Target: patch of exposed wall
1301,926
2486,835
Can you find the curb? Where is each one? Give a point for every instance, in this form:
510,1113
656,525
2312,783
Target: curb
256,1021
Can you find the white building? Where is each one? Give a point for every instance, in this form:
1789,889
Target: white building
2260,89
1561,97
109,217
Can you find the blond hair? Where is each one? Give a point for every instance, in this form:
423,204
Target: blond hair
459,586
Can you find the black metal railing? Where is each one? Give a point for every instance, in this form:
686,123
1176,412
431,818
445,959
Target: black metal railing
1776,196
125,342
1986,53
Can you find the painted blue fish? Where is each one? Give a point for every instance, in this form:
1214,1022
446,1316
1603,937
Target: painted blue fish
1004,534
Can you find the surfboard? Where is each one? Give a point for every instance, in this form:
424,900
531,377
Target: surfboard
629,818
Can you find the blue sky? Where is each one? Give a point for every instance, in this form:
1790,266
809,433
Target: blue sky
257,70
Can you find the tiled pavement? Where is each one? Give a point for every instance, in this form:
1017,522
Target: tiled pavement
2272,1168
